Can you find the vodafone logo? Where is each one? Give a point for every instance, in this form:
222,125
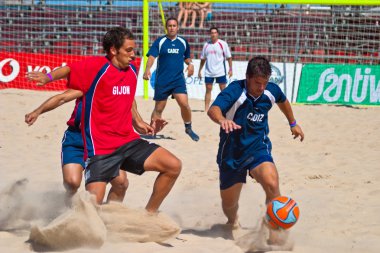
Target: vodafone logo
10,69
14,70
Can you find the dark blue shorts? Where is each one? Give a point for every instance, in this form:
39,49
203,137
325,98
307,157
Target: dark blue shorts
229,177
162,92
220,79
129,157
72,147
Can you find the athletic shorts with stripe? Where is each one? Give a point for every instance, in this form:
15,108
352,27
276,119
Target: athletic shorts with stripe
129,157
72,147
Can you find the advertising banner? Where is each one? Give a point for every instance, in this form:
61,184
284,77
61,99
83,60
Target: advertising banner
282,74
340,84
14,66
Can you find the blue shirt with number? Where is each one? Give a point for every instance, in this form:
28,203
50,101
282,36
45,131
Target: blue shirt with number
239,148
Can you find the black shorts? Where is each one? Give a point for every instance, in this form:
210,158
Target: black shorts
129,157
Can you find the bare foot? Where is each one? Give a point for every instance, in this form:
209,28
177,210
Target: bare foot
234,224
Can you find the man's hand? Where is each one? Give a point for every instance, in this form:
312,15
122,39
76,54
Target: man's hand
297,132
38,77
158,125
200,75
228,125
143,128
147,75
190,70
30,118
230,73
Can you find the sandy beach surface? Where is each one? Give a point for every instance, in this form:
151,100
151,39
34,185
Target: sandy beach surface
334,175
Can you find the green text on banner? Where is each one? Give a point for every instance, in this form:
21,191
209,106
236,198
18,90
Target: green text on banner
339,84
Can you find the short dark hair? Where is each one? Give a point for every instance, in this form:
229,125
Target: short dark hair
259,66
171,18
115,38
214,28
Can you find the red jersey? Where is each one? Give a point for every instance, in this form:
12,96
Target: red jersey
108,94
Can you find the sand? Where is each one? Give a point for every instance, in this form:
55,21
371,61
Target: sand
334,176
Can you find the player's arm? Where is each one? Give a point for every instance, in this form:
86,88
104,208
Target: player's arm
190,66
216,115
149,64
51,104
42,78
230,66
201,67
286,109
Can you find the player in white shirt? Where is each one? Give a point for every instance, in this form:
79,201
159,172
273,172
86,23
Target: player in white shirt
214,53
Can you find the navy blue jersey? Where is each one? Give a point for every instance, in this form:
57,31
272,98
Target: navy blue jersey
239,148
171,55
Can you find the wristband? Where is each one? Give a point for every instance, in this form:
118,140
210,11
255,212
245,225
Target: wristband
50,77
293,124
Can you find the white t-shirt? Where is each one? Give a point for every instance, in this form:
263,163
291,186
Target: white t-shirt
215,58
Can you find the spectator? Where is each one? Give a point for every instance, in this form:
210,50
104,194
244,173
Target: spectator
201,8
209,12
188,10
181,11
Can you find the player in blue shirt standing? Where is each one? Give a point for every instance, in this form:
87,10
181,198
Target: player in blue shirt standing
241,110
172,50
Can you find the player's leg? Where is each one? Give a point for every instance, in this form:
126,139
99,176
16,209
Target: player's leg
266,174
222,86
222,81
169,168
100,170
119,187
72,177
158,109
231,183
98,189
183,103
208,96
230,203
72,161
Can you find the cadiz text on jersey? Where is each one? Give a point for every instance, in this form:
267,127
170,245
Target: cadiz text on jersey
255,117
121,90
173,50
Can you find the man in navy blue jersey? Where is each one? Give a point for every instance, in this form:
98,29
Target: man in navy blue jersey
242,112
172,51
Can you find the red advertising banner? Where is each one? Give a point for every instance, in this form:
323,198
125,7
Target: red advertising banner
14,66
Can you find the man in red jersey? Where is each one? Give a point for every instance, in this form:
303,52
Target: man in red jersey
108,86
